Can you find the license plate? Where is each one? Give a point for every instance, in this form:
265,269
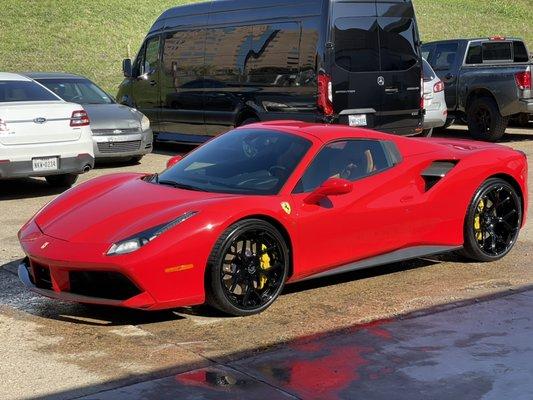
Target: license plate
357,120
45,164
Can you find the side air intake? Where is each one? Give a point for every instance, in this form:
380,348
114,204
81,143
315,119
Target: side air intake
436,171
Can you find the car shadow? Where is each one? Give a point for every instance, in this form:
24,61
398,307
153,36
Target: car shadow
25,188
171,148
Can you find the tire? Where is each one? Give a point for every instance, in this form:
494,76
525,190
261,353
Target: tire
449,122
234,275
249,121
136,159
65,180
485,121
427,133
503,216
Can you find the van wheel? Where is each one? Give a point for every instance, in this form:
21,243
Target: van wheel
249,121
65,180
485,121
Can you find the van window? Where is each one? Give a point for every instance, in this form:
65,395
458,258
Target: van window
146,61
346,159
357,44
274,56
183,53
445,55
497,51
398,47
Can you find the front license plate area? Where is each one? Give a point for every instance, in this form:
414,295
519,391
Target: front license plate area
45,164
357,120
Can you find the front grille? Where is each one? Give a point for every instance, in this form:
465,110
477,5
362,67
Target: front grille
119,147
126,131
41,275
104,285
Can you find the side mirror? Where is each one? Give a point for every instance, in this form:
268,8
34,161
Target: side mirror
173,161
127,68
332,187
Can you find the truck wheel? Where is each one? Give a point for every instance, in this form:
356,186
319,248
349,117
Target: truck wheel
485,121
62,181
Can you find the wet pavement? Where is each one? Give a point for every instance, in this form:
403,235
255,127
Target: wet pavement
482,350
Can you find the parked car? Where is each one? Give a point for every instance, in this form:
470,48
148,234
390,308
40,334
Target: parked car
41,135
208,67
118,131
434,100
487,81
270,203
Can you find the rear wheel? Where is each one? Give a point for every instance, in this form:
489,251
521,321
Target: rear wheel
247,268
493,221
65,180
485,121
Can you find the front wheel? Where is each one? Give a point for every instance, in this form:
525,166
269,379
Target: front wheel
63,181
493,221
247,268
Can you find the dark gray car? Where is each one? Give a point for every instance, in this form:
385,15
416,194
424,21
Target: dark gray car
118,131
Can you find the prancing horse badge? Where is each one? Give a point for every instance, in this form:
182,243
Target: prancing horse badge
286,207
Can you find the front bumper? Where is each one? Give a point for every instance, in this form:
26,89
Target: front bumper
24,169
121,146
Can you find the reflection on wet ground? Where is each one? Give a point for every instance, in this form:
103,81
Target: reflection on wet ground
479,350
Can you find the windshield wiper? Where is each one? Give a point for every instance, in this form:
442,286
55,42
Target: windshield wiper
178,185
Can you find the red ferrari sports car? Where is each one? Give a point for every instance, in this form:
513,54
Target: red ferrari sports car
268,204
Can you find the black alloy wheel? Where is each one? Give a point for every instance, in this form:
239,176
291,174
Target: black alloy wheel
493,221
485,121
247,268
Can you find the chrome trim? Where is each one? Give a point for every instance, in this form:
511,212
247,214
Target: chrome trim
395,256
358,111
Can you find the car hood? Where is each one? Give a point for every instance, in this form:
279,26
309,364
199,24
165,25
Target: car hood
108,210
113,116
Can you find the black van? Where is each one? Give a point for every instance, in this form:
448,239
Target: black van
207,67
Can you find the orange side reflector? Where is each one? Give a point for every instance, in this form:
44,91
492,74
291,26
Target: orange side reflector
179,268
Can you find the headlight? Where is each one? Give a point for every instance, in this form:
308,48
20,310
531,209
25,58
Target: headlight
137,241
145,123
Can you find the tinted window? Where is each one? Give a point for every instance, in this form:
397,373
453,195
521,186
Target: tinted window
357,44
244,161
183,54
397,38
80,91
497,51
520,52
349,159
274,57
146,61
428,72
445,56
475,54
24,91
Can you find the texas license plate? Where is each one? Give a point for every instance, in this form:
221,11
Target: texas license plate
357,120
45,164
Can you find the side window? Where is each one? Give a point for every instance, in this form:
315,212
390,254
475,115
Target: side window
520,52
183,57
475,54
397,37
357,44
151,56
445,56
275,55
497,51
348,159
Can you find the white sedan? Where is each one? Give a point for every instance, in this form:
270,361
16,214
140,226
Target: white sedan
40,134
434,100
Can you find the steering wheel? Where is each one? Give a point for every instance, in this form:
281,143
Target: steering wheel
277,171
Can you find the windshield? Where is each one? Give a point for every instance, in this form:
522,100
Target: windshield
24,91
81,91
243,161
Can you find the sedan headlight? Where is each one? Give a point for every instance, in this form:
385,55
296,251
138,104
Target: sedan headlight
137,241
145,123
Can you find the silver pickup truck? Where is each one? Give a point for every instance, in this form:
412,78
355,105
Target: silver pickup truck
487,82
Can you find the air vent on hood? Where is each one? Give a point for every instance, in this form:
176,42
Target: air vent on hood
436,171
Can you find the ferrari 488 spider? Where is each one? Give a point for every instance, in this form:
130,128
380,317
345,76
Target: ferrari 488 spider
268,204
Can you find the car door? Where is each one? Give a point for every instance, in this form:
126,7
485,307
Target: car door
147,83
369,221
444,61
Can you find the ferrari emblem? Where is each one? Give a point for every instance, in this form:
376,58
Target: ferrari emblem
45,245
286,207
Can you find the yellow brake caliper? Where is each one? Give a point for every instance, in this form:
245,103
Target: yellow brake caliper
265,266
477,220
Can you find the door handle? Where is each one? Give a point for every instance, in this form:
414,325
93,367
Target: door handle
391,90
153,83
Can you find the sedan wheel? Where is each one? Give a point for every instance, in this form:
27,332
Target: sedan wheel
493,221
247,268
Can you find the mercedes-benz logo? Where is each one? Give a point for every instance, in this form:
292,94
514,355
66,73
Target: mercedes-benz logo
39,120
381,81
